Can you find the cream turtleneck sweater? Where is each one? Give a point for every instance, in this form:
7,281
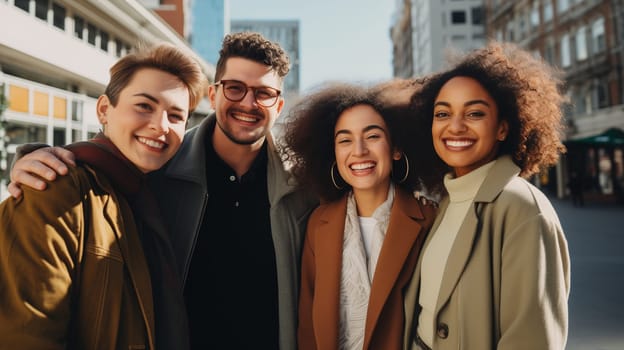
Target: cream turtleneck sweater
461,192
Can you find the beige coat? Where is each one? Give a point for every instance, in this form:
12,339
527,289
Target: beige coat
72,269
319,304
507,279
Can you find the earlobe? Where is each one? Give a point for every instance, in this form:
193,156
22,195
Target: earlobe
503,131
396,155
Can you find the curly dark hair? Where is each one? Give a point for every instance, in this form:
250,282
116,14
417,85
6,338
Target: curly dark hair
255,47
527,91
308,141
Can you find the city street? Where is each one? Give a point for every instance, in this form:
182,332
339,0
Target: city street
596,241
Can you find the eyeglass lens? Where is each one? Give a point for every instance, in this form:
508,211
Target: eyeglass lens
236,91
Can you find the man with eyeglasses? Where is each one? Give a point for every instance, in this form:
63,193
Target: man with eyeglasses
235,219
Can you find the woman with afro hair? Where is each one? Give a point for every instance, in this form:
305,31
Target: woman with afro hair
494,272
347,145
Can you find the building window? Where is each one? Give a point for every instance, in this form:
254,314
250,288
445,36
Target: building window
580,106
499,35
565,50
76,110
58,12
41,9
581,44
510,31
58,137
22,4
562,6
548,11
522,27
477,15
118,48
458,17
601,94
535,15
91,33
598,36
78,27
458,40
104,40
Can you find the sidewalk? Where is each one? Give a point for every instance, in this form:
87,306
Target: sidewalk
595,235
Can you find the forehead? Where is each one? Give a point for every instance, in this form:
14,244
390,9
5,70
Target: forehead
159,84
250,72
359,117
464,88
154,79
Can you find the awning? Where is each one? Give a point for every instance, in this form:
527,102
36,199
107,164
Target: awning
611,137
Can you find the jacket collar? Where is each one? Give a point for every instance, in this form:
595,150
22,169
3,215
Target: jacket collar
189,165
501,173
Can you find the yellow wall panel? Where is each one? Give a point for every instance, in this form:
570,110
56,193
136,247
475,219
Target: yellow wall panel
60,108
18,98
42,103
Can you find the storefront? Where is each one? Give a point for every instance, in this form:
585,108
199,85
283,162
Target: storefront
598,161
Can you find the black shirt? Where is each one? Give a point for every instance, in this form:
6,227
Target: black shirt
231,289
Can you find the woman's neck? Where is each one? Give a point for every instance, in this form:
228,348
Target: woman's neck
367,201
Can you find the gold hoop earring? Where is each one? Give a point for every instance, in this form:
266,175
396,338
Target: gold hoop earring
406,169
331,173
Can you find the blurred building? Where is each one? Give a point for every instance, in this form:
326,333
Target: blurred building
176,13
585,38
210,20
54,62
284,32
424,31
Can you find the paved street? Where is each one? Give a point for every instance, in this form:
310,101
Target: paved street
596,241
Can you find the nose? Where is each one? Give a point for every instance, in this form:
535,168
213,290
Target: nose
160,122
360,147
456,123
249,99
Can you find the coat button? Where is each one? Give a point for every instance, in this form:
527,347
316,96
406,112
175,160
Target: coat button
443,330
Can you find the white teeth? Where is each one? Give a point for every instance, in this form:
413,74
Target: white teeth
245,119
362,166
151,143
459,143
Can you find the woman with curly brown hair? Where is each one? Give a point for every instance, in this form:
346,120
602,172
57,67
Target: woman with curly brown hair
494,272
348,147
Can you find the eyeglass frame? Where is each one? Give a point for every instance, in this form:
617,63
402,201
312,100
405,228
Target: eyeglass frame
222,83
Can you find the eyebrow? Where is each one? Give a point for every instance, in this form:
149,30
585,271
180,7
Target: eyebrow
466,104
155,100
368,128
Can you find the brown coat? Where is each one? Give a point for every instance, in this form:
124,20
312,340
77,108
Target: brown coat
319,303
72,270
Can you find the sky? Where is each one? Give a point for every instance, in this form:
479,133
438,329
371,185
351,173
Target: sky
343,40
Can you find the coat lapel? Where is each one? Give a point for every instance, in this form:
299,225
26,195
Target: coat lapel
328,253
403,230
